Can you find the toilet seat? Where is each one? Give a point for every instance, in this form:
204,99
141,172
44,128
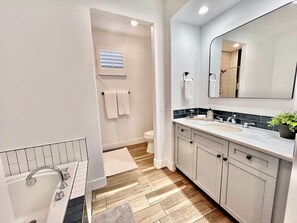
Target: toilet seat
149,133
149,137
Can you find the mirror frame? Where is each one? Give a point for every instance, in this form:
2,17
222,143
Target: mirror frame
209,58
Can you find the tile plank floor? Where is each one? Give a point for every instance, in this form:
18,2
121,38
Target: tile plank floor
157,195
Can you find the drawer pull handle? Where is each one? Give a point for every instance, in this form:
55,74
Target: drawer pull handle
219,155
182,130
225,159
191,142
249,157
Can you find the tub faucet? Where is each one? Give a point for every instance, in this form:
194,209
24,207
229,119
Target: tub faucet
30,180
232,119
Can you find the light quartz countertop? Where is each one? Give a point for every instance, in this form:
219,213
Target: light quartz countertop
259,139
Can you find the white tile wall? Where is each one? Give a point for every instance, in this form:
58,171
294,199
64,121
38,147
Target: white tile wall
79,185
27,159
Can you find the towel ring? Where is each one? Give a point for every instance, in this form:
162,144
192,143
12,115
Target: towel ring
185,74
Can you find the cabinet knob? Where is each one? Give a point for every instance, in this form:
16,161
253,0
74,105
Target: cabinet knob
249,157
182,130
219,155
191,142
225,159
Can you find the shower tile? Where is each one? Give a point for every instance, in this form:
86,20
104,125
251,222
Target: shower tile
62,148
48,161
69,151
56,155
22,161
12,158
39,156
30,154
47,151
32,165
15,169
5,164
83,148
63,158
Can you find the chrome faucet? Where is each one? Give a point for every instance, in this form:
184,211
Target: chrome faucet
30,180
232,119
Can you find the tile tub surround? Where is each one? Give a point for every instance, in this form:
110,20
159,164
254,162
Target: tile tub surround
259,139
259,120
74,212
79,184
23,160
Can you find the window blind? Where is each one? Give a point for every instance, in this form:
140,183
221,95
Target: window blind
111,59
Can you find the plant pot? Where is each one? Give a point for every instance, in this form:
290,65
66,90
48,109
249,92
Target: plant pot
285,132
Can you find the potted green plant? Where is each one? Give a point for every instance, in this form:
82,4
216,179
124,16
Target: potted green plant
287,123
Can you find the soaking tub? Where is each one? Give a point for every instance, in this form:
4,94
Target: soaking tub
36,203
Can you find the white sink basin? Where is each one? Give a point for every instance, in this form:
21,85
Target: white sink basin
224,127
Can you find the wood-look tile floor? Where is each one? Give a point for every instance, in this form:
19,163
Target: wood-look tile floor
157,195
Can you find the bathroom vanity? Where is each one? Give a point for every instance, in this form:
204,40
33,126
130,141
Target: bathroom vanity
245,170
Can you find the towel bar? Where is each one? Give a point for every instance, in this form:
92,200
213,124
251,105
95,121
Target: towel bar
103,92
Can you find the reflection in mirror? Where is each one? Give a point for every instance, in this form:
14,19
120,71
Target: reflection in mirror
258,59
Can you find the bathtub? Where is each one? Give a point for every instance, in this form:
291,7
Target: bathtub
37,202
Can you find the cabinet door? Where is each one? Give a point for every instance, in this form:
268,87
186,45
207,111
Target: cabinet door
184,155
247,194
208,171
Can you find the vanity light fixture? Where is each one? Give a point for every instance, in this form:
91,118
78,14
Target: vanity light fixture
236,45
203,10
133,23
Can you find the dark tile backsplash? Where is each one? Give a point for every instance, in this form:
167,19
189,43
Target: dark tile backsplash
74,212
260,121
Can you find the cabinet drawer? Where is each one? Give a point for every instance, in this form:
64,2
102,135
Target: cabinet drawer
209,141
183,130
258,160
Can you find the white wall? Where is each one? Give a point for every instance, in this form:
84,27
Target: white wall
47,87
227,21
158,13
127,129
284,63
185,39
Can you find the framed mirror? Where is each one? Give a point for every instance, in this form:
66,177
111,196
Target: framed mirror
257,59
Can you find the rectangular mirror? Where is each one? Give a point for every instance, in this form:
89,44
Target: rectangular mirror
257,59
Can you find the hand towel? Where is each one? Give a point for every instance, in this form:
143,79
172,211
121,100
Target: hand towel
123,102
188,89
111,106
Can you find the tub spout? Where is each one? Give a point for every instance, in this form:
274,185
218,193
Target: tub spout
30,180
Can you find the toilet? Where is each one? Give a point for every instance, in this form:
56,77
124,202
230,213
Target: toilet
149,137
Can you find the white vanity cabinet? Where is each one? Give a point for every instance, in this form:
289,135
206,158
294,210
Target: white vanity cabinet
240,179
248,184
184,150
209,152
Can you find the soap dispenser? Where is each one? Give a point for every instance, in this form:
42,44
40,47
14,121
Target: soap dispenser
209,114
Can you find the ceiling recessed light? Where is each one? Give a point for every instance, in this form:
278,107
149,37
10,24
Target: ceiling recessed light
203,10
236,45
133,23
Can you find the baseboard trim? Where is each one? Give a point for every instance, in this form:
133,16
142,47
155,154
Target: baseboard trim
114,145
96,184
164,163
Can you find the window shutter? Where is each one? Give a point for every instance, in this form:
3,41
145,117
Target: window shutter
110,60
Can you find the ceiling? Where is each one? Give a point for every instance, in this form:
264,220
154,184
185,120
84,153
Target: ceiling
101,20
189,13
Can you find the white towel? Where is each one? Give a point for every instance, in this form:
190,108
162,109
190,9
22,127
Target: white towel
123,102
111,107
188,89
